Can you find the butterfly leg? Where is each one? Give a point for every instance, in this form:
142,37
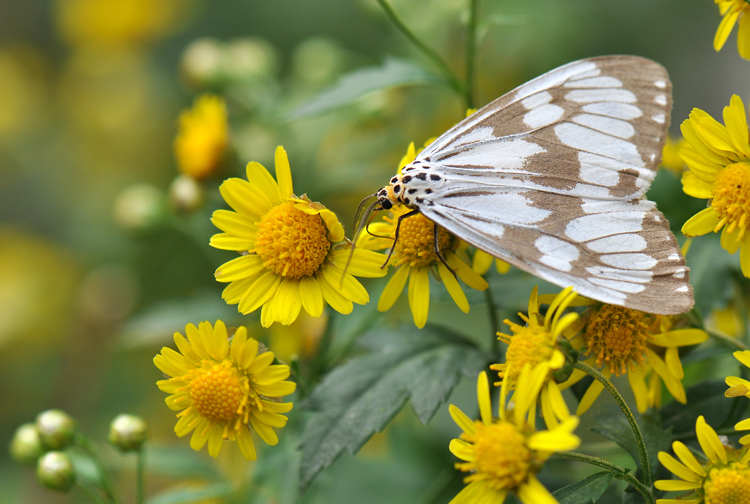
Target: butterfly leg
395,235
437,250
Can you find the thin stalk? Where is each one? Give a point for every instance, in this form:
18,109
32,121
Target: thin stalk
726,431
494,323
436,59
91,493
140,471
736,344
87,446
645,466
620,473
438,486
471,30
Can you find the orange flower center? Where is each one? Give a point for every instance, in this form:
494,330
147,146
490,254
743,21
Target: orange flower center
218,391
503,461
618,336
728,485
291,242
529,345
416,242
731,197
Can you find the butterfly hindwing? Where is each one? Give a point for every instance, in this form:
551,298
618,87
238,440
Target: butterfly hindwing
549,176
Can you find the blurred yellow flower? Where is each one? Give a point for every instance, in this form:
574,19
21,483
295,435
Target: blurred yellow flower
202,137
670,158
723,476
719,161
504,454
734,10
619,341
727,321
221,389
117,23
300,339
293,250
537,344
482,262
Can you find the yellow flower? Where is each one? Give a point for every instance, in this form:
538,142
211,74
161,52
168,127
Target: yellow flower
732,10
719,161
222,389
504,454
293,250
670,158
620,341
722,477
482,262
537,344
740,387
203,137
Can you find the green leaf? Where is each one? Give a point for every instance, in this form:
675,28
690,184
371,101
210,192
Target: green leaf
614,426
585,491
712,273
707,399
180,462
184,495
359,398
353,85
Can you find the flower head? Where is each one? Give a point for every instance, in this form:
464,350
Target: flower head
734,10
723,476
719,161
203,137
620,341
670,157
740,387
223,389
414,256
504,454
293,250
538,344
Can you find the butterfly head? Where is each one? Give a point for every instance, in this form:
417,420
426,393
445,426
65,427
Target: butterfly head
392,194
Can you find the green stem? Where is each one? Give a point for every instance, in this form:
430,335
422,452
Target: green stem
620,473
87,446
645,466
494,323
140,471
90,492
736,344
438,486
436,59
471,30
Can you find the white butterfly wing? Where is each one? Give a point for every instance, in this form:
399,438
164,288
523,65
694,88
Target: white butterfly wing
549,176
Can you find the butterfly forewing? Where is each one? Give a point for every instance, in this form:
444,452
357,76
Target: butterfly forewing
549,177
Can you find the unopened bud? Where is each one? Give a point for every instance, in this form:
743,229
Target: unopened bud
139,207
55,471
128,432
202,62
26,447
185,194
56,429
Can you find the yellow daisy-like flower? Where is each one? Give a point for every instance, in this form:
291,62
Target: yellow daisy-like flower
293,250
202,137
722,477
619,341
538,344
504,454
482,262
740,387
670,157
734,10
719,161
222,389
414,257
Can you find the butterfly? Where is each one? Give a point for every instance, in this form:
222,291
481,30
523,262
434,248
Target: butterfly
551,177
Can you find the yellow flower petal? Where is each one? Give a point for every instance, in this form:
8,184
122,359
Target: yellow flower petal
451,284
287,303
236,290
709,441
676,485
672,383
271,374
687,458
463,421
730,241
483,397
482,262
743,37
533,492
672,359
226,241
245,198
695,187
591,395
259,292
265,432
419,295
335,228
393,288
260,362
465,273
677,468
280,389
264,183
701,223
347,285
745,255
680,337
364,263
239,340
311,296
637,381
249,353
242,267
283,173
743,357
462,450
200,434
245,442
553,441
185,349
333,298
234,223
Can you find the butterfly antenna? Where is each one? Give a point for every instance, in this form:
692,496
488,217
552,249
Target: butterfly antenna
360,222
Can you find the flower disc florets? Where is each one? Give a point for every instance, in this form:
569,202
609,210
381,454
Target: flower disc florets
291,242
416,242
728,485
502,458
618,336
531,345
731,197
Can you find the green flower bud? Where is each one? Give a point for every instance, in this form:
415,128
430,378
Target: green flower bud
128,432
56,429
55,471
140,207
185,194
26,447
571,357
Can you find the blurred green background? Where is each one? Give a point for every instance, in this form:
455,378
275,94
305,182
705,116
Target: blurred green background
95,275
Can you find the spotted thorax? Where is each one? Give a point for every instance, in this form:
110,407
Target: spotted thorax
550,178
